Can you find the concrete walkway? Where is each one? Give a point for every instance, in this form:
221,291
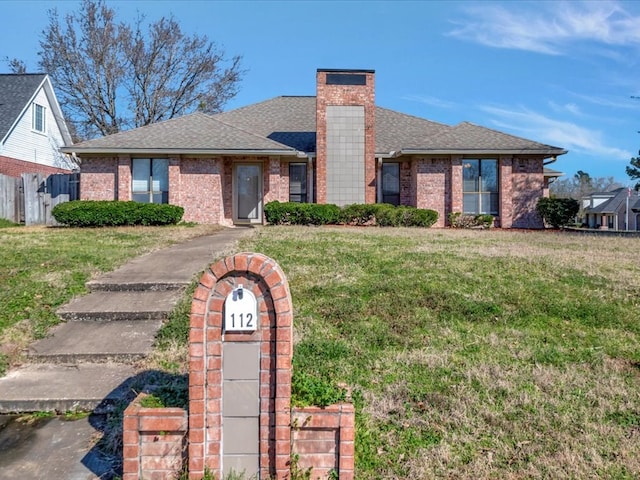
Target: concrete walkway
86,362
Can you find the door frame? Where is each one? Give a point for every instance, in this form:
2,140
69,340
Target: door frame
260,199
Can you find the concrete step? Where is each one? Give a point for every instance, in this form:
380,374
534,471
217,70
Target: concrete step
74,342
61,388
154,305
100,285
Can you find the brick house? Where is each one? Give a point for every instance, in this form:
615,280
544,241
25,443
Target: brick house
337,147
32,129
611,210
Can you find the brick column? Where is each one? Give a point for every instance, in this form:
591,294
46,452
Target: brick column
124,178
456,184
174,180
264,278
505,187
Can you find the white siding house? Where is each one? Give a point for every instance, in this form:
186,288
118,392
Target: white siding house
32,129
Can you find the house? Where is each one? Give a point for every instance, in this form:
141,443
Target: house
336,147
32,129
612,210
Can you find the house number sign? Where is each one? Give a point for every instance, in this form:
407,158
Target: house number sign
240,311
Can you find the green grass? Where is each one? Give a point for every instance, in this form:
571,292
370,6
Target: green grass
468,354
472,354
43,268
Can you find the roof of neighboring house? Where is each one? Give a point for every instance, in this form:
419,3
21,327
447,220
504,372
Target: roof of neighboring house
550,172
618,199
288,124
17,90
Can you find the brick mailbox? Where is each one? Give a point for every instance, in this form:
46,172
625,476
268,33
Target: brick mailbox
240,418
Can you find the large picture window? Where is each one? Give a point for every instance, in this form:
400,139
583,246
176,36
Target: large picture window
480,186
391,183
298,182
150,180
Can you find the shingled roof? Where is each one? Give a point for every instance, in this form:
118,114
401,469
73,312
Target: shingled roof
15,92
288,125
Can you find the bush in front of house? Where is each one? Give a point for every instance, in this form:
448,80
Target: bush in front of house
557,212
384,215
291,213
460,220
104,213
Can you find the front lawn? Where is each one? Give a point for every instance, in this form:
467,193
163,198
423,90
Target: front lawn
43,268
472,354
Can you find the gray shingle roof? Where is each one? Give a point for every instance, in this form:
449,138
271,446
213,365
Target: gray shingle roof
194,132
15,91
618,197
289,123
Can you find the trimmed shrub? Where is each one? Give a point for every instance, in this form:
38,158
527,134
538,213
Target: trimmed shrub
291,213
381,214
92,213
558,212
460,220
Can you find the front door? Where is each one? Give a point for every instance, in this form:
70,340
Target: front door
248,193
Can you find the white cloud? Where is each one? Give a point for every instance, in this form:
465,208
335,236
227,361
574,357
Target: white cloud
429,100
571,108
556,132
548,27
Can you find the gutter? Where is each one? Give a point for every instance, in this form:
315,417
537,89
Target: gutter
179,151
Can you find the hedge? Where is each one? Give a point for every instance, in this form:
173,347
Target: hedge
92,213
288,213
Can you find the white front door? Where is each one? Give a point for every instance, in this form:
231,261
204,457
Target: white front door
248,193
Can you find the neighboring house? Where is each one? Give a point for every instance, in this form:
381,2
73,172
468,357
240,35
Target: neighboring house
32,129
610,210
337,147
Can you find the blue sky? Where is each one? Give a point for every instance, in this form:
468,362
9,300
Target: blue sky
561,73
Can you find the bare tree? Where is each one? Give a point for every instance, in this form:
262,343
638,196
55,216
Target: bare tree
582,184
15,65
111,76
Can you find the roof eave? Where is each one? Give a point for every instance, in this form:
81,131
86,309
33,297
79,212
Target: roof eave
482,151
178,151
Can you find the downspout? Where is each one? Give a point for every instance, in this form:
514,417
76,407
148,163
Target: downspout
553,159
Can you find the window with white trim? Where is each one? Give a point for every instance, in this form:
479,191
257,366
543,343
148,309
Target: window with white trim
38,123
150,180
480,186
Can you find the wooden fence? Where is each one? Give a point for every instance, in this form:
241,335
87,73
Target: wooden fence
30,198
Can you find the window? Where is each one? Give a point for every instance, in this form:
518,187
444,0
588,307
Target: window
150,182
38,120
480,186
298,182
391,183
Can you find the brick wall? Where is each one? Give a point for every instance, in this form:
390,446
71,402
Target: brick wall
154,442
528,188
432,175
15,168
99,179
197,187
323,439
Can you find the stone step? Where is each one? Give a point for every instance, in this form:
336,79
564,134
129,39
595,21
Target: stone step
74,342
61,388
130,305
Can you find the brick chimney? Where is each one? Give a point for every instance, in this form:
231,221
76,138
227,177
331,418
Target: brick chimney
345,136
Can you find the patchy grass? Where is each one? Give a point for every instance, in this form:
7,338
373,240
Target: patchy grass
43,268
472,354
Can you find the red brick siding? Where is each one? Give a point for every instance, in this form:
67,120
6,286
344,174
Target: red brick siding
345,95
99,179
505,165
456,186
196,185
272,175
431,182
15,168
406,183
124,178
528,187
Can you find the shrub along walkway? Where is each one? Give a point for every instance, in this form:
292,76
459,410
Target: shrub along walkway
87,362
